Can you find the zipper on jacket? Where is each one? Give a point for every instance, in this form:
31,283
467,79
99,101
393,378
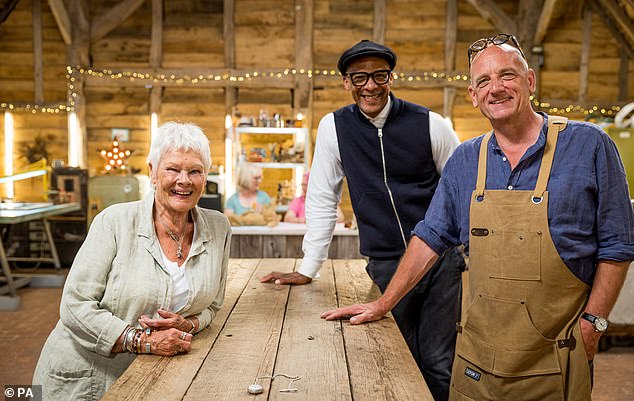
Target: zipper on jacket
389,191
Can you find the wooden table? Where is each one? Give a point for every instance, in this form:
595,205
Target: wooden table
285,241
19,213
264,329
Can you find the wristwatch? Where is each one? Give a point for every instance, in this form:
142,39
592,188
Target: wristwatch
600,323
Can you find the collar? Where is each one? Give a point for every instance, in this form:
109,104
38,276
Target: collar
534,148
379,120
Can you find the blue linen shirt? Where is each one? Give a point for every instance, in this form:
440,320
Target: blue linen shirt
589,211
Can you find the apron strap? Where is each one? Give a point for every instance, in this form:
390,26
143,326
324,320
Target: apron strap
482,166
555,125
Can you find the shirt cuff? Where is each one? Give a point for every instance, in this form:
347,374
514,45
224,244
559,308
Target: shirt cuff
309,268
422,231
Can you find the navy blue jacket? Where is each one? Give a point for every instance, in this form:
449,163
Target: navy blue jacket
411,173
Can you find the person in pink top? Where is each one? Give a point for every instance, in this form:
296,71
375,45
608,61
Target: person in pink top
296,212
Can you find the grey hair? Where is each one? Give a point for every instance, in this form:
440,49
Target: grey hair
246,171
179,136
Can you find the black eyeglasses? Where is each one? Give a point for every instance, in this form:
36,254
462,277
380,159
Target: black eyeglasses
497,40
380,77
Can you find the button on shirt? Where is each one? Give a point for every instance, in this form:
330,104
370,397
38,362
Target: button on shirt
589,211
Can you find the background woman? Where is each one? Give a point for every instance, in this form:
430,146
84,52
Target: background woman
248,196
149,275
296,212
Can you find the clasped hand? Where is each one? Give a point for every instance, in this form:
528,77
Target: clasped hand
169,336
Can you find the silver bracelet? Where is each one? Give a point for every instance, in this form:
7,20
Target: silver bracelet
130,340
191,331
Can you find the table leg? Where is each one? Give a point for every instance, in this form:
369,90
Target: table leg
51,244
6,270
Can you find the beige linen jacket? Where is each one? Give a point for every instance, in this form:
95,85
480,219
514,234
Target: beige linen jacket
118,275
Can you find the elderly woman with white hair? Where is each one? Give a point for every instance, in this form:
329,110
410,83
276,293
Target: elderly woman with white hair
249,197
149,275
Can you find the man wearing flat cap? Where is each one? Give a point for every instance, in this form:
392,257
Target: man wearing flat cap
392,153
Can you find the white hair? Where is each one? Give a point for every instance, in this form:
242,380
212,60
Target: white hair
246,172
179,136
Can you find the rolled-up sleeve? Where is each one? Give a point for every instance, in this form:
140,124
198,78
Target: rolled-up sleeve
615,221
440,228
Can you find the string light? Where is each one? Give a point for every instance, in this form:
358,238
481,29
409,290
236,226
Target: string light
455,78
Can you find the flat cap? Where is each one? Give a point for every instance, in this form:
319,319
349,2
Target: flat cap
363,49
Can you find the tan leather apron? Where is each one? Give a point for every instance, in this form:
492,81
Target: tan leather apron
520,338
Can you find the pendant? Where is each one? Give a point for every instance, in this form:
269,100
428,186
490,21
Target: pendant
179,252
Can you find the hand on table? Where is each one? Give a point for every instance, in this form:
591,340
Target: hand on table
168,320
358,314
167,342
286,278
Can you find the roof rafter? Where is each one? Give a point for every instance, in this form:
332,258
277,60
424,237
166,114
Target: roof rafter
111,19
494,14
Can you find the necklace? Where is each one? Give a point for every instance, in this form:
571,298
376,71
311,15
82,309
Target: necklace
177,239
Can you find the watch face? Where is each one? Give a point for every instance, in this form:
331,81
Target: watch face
601,324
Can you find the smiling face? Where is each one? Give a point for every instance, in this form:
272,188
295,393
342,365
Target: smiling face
501,83
371,98
180,180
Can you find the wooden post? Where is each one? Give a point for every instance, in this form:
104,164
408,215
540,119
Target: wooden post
451,33
585,54
378,31
303,54
79,55
156,54
231,92
38,84
623,76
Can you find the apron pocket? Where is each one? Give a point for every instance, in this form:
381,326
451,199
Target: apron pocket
507,248
501,338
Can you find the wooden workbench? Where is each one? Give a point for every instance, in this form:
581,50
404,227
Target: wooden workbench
264,329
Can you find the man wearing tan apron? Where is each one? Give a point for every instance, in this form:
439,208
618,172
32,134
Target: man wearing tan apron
524,303
542,207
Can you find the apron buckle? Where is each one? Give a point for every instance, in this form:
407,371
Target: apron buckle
567,343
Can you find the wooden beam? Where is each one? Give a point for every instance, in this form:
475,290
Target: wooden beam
61,17
7,9
494,14
623,22
228,27
623,76
111,19
544,21
609,23
38,64
451,32
380,16
585,53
